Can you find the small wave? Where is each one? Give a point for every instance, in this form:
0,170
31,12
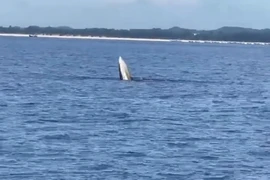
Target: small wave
134,79
133,154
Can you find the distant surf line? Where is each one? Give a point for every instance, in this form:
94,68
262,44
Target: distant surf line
134,39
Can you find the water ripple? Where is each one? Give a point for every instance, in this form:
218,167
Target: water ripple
193,111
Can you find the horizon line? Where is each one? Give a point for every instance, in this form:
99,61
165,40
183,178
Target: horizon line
70,27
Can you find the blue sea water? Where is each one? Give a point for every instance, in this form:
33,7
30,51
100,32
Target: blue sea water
195,111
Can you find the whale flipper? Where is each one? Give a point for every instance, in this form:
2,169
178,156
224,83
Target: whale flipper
124,73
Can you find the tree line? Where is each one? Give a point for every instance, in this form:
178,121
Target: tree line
221,34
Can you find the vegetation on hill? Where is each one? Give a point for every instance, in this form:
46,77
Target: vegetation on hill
221,34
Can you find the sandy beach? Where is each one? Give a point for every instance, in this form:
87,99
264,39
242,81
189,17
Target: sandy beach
85,37
132,39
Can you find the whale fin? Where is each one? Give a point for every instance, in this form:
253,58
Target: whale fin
120,74
124,73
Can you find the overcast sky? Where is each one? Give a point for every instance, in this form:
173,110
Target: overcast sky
199,14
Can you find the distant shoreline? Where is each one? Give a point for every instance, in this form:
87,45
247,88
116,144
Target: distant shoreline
127,39
224,35
82,37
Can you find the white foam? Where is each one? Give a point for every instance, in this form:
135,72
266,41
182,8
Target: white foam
136,39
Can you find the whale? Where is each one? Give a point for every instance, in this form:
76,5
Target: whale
124,73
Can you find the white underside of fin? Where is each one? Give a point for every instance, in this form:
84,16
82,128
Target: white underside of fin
124,69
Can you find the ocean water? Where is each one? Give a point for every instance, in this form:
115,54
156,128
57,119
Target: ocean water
195,111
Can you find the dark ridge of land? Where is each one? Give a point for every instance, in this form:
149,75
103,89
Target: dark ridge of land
222,34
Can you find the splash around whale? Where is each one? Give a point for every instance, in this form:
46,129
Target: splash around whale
124,73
